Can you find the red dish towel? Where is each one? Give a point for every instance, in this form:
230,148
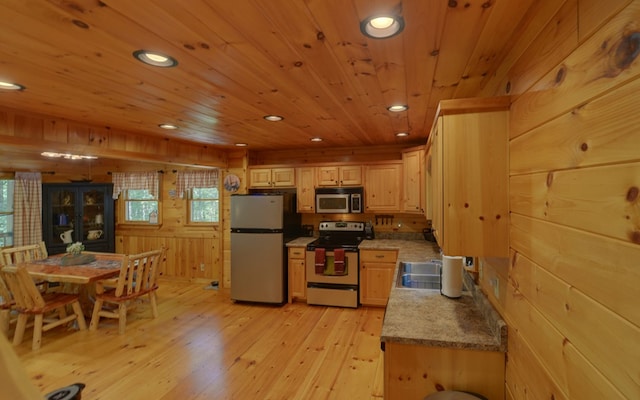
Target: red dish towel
338,261
320,261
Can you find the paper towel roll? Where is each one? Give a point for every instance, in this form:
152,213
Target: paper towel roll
451,285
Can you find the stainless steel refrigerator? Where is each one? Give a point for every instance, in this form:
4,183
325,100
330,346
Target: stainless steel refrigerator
261,224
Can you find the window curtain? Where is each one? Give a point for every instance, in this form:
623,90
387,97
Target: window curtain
186,180
27,208
135,180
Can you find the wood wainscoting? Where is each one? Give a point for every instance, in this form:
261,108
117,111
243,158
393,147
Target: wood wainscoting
204,346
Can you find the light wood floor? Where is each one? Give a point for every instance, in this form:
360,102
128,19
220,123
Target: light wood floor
204,346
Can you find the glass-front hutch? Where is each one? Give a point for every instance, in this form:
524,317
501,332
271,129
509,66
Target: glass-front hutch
78,212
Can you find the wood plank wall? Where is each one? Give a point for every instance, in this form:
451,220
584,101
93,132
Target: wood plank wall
568,291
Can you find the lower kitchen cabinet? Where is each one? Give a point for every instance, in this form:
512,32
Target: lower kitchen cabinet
297,274
376,276
413,371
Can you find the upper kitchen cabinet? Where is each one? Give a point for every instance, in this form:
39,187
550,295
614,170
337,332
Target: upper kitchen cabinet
469,170
305,189
78,212
413,172
383,187
272,177
348,175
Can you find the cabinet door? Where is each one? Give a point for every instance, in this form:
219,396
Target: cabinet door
60,216
306,196
328,176
297,274
351,175
412,162
375,282
437,188
260,177
383,184
283,177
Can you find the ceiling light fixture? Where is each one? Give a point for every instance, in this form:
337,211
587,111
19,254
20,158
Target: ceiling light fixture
241,145
382,26
316,139
273,118
168,126
155,59
10,86
398,108
402,134
68,156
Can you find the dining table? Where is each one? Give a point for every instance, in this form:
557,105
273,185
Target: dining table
80,278
52,268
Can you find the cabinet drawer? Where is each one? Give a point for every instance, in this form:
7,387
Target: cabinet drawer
379,255
296,252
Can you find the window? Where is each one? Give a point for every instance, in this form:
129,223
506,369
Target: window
139,206
204,205
6,212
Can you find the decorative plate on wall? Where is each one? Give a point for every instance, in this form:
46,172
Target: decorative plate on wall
232,183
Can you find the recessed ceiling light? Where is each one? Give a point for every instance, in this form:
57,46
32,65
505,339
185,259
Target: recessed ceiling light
155,59
241,144
273,118
382,26
10,86
168,126
398,107
402,134
316,139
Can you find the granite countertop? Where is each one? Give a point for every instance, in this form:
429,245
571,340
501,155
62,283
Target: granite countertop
425,317
302,241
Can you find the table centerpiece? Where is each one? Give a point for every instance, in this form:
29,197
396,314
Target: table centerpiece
74,255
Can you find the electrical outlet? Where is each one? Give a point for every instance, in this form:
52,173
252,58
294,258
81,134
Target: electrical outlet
202,267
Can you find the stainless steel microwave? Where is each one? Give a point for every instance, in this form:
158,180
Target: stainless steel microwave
343,200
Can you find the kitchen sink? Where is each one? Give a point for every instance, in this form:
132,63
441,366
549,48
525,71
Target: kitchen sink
419,275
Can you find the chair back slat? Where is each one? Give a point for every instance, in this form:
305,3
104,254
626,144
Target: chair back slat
138,273
5,294
20,254
25,292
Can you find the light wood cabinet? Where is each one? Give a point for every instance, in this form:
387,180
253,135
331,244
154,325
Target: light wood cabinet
413,371
272,177
469,165
297,274
348,175
376,276
413,200
383,187
305,188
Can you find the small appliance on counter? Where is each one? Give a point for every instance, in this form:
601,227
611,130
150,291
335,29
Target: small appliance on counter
451,276
368,231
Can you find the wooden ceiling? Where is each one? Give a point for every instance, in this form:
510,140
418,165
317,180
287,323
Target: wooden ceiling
239,60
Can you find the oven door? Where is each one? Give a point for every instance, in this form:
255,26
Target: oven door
327,274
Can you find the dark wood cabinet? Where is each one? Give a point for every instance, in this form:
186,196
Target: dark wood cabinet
78,212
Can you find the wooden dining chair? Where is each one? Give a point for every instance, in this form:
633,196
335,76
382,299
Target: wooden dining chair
7,307
138,277
20,254
49,310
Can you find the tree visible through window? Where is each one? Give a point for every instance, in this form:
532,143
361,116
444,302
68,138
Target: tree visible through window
139,204
6,212
204,205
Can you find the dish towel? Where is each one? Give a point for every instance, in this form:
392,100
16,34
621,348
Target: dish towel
338,261
320,261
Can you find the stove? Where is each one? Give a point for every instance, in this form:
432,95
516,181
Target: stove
332,264
338,234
